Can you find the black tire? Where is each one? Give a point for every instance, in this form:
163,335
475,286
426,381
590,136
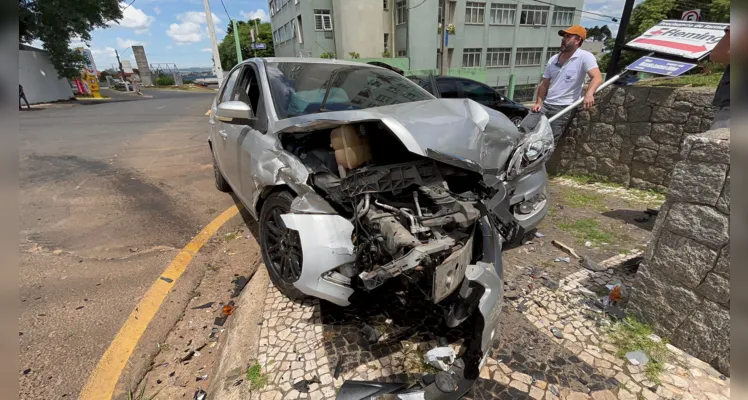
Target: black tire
221,183
281,247
516,120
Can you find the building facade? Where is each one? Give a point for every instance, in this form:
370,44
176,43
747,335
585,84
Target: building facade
504,36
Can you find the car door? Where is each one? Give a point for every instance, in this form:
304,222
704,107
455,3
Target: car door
220,131
479,93
447,88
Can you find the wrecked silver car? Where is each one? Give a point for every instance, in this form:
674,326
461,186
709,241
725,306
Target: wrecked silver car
358,176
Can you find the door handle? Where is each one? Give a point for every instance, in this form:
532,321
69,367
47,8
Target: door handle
223,134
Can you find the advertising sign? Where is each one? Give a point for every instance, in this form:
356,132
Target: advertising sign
127,66
89,71
259,46
691,15
687,39
660,66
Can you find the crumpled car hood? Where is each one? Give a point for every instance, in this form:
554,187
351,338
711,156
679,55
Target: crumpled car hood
460,132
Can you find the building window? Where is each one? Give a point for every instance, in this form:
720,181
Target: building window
386,6
503,14
528,56
471,57
474,12
272,8
498,57
534,15
563,16
322,20
386,42
550,53
401,13
402,53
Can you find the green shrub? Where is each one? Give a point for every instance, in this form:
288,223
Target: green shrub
164,80
327,55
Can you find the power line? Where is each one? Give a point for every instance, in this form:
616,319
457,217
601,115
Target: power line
417,5
227,11
128,6
615,19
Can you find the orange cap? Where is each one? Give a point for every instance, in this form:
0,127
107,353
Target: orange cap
575,30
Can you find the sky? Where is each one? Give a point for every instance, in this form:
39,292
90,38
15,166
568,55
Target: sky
175,31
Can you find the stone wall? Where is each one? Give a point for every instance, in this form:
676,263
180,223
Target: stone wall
682,288
633,136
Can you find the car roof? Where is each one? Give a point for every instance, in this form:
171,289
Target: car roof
305,60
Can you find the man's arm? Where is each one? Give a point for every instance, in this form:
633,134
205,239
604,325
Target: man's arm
596,79
721,52
542,92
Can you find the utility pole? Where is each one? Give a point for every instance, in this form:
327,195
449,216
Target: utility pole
239,57
443,46
212,33
257,36
620,38
121,70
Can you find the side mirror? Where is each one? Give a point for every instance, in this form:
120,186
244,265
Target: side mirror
234,112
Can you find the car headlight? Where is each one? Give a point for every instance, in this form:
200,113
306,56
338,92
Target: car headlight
533,147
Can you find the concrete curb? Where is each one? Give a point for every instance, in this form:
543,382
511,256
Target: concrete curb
242,341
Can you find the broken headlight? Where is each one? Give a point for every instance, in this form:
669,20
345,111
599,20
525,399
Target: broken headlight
535,146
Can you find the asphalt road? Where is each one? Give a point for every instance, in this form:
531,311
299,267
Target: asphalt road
109,193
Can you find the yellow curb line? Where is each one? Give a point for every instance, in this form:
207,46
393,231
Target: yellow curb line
102,381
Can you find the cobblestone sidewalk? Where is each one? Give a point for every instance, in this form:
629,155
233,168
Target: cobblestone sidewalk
312,339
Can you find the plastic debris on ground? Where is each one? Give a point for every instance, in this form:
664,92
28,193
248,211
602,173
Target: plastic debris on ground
637,357
201,378
539,235
370,333
557,332
588,244
549,283
566,249
204,306
338,368
440,357
303,385
563,259
200,395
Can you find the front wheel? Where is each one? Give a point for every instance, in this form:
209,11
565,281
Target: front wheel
516,120
221,183
281,247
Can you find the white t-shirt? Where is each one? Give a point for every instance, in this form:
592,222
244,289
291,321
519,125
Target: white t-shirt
567,80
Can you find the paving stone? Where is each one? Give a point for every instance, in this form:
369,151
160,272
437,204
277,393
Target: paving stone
524,378
603,395
519,386
649,395
501,378
626,395
536,394
577,396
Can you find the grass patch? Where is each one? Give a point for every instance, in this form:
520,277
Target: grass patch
141,394
231,236
255,377
651,197
584,199
631,335
588,229
711,80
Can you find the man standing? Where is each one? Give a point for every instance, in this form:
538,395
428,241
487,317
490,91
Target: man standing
22,95
564,77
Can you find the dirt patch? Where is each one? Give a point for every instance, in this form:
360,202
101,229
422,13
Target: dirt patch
188,358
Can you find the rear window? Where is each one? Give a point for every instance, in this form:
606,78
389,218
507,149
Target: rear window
307,88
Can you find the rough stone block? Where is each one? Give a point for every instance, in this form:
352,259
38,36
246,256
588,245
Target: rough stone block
608,114
606,167
648,173
697,183
640,128
693,125
645,141
722,362
636,95
583,117
601,132
666,114
656,229
702,223
585,149
667,156
661,96
640,113
682,106
594,113
616,141
706,124
723,262
621,114
723,203
699,97
715,288
618,96
705,333
590,163
667,134
656,301
623,130
710,151
627,152
682,259
645,155
638,183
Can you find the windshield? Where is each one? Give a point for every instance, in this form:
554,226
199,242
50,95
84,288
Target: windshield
306,88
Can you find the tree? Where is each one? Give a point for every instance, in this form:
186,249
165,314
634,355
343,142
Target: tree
599,33
227,48
56,22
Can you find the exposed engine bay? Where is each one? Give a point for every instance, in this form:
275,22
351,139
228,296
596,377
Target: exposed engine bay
413,217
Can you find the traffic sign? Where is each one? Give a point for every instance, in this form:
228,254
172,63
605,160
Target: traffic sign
259,46
687,39
691,15
660,66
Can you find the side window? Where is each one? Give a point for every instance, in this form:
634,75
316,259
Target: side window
228,86
477,92
447,89
249,91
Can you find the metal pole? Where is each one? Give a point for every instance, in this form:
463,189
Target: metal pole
212,33
122,71
581,99
257,36
620,38
443,46
239,57
512,83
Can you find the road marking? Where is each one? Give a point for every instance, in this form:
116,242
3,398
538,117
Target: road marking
102,381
